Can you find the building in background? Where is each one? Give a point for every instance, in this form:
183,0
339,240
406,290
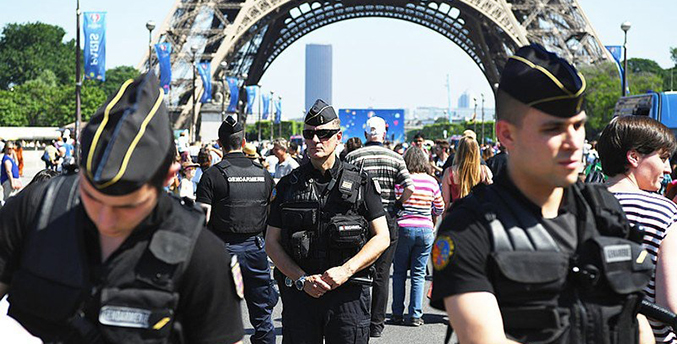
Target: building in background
465,101
318,73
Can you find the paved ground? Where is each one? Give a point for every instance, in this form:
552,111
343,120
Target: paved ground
432,331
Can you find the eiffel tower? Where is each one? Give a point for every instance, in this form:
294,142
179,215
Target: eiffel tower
249,34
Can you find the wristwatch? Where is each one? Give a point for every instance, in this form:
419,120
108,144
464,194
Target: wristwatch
300,282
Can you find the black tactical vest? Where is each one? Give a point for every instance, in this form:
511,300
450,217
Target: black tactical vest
323,230
547,296
138,294
245,209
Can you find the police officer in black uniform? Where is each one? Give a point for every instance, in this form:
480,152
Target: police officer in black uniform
105,255
236,193
537,257
326,226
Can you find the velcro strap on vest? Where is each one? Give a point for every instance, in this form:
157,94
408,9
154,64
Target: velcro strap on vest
531,318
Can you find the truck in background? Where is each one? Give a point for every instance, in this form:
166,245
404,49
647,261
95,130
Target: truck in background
659,106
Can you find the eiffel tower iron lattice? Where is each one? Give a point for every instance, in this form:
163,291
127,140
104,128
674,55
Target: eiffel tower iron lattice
248,35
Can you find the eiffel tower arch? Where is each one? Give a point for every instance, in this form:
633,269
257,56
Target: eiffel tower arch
248,35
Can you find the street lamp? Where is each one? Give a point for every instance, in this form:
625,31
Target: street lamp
224,67
474,115
193,50
150,25
242,103
482,142
625,27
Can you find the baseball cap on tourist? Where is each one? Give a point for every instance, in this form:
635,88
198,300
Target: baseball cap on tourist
375,126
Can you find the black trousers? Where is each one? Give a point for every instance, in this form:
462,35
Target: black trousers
381,284
339,316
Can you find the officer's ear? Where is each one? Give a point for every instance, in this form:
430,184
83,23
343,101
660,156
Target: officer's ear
244,142
505,133
173,170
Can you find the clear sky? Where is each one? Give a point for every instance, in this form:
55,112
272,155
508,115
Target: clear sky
380,63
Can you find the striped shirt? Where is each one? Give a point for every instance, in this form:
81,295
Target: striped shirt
385,166
655,214
423,203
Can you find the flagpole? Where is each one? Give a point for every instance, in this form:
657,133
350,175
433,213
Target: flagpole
78,86
272,128
259,123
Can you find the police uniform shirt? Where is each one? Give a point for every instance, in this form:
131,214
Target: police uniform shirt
372,207
205,315
213,188
463,247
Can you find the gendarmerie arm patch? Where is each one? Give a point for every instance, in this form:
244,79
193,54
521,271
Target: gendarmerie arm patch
443,250
237,276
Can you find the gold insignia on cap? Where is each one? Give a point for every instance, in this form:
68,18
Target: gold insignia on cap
554,79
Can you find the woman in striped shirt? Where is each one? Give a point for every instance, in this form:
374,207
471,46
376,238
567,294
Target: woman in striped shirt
415,237
635,153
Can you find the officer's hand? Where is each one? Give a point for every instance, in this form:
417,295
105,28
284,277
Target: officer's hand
336,276
315,286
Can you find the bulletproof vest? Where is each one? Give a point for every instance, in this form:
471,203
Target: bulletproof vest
245,208
547,296
323,229
135,299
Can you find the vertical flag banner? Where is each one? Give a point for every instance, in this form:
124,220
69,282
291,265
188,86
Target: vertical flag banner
278,110
164,51
251,98
265,99
234,93
95,45
616,52
204,68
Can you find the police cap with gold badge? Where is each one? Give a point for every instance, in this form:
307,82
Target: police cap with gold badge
321,113
543,80
128,139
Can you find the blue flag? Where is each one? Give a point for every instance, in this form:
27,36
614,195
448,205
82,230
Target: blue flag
95,45
278,110
234,93
164,51
251,98
204,68
265,99
616,53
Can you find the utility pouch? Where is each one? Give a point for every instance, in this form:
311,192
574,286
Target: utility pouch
612,266
300,245
302,216
347,232
349,185
544,271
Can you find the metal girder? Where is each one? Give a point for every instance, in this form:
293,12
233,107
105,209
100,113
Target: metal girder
250,34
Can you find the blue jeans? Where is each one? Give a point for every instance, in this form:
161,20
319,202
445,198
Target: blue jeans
413,250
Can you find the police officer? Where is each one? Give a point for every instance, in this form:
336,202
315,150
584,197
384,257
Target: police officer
105,255
326,226
537,257
236,193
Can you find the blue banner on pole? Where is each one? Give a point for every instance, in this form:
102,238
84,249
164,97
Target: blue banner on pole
234,93
265,99
204,68
95,45
616,53
278,110
251,98
164,51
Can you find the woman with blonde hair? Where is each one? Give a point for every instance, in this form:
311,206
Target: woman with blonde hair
465,172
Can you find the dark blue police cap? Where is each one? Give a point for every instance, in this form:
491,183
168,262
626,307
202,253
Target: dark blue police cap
128,139
229,126
320,113
543,80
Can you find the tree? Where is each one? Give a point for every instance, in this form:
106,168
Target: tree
26,50
114,78
602,93
673,55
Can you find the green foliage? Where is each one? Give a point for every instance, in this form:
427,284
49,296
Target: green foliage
436,130
602,93
289,128
637,65
114,78
27,50
673,55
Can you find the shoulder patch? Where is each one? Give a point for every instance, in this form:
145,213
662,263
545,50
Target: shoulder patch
442,252
273,194
237,276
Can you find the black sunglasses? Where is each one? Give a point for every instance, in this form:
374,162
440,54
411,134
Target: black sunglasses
308,134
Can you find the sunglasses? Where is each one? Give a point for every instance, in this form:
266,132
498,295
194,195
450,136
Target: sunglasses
322,134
